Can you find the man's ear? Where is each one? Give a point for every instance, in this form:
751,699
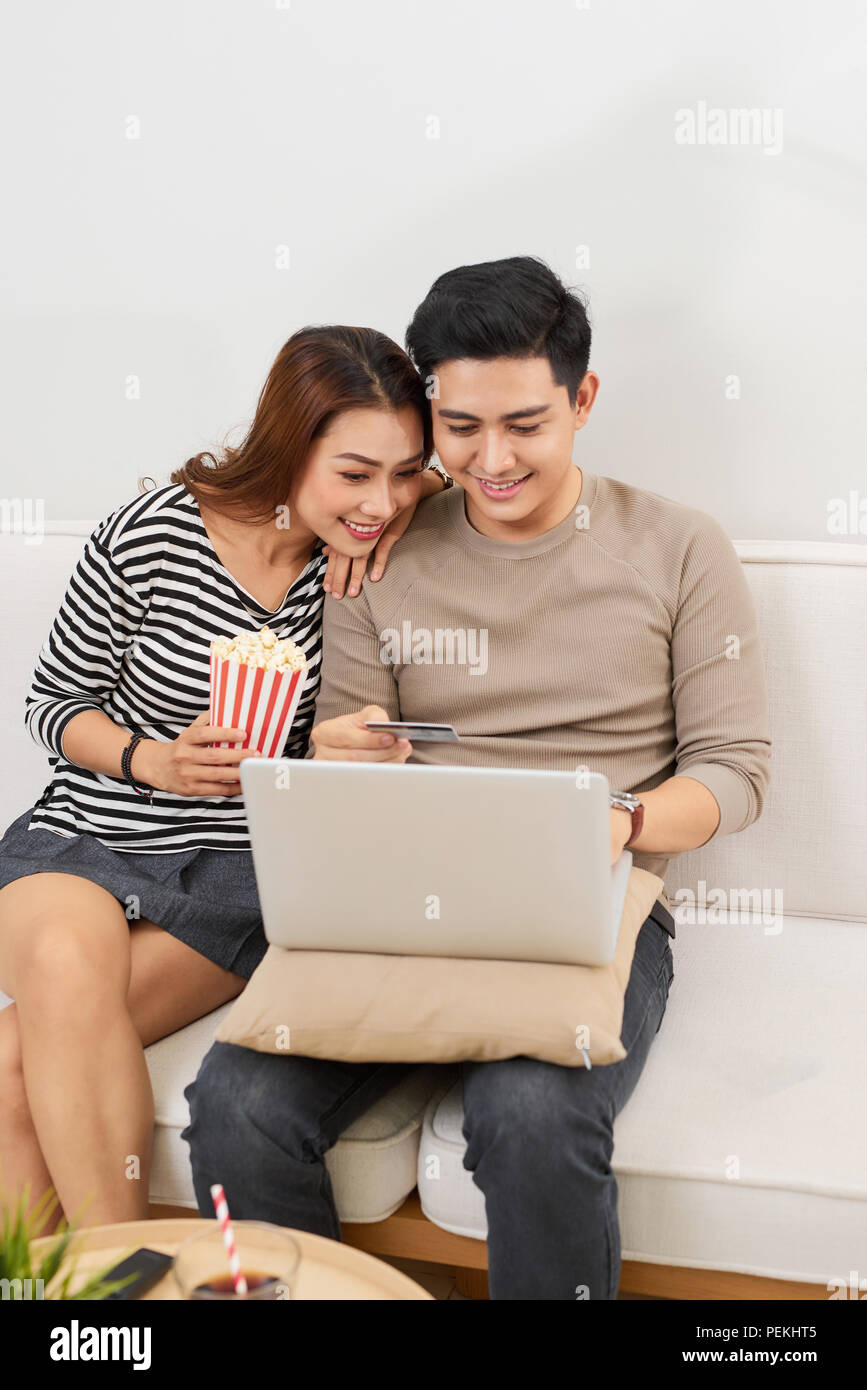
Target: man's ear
586,395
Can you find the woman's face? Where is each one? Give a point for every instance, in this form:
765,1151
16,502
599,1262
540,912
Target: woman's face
359,474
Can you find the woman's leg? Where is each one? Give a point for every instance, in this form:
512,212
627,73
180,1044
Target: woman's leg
90,991
21,1161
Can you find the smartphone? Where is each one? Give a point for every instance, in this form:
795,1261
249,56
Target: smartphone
148,1265
416,733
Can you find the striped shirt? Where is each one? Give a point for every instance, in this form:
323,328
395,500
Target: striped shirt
132,638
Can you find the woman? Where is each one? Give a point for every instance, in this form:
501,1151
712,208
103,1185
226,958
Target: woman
128,904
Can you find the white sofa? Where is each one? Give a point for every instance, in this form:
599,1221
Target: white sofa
744,1146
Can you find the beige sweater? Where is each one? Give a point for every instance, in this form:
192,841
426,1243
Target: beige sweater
605,643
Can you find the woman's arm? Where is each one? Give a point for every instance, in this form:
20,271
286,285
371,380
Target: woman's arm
80,660
93,741
187,766
79,666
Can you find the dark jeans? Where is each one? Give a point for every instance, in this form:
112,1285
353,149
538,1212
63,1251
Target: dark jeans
539,1142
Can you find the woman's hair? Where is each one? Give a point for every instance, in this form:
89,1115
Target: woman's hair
516,307
318,373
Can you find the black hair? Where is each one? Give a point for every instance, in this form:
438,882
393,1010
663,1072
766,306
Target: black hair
517,307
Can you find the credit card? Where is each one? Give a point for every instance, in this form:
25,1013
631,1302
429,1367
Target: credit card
416,733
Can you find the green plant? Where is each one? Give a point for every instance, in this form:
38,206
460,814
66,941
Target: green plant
16,1259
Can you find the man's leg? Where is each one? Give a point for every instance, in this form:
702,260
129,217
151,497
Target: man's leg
540,1140
260,1125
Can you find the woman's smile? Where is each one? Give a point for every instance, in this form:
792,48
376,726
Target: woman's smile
363,530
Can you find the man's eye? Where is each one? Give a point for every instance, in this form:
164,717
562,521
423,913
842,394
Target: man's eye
519,429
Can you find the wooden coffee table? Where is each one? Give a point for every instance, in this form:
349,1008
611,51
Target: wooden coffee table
328,1269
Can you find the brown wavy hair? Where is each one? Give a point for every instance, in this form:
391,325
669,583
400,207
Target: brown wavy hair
318,373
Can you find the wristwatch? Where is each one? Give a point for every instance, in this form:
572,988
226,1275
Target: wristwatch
630,803
441,472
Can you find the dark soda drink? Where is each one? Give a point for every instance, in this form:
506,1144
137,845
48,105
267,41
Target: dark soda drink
224,1284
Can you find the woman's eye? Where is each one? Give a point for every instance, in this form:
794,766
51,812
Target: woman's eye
362,477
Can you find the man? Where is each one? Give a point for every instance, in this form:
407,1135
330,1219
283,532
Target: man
619,636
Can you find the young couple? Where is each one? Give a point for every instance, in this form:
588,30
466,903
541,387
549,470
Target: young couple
611,615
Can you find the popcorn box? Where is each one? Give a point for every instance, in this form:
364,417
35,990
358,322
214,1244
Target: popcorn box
256,684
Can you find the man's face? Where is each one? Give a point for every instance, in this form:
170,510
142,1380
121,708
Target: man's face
506,421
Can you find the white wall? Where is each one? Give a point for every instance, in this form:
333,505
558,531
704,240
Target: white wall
265,124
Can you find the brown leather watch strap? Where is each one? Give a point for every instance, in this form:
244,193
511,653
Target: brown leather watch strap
637,823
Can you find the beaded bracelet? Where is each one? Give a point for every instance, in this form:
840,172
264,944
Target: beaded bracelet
125,766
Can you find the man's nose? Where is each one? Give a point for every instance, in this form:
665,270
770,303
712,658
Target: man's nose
495,454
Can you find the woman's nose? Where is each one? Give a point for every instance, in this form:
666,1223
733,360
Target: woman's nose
380,502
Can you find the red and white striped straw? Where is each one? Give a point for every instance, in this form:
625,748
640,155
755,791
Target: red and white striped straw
222,1209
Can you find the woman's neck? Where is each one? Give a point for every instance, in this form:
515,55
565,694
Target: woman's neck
267,541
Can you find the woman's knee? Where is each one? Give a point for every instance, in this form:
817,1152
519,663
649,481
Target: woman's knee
60,927
65,958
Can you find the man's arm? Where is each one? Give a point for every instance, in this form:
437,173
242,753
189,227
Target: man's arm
721,706
353,675
679,814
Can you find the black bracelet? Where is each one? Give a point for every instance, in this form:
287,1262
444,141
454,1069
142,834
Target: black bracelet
125,766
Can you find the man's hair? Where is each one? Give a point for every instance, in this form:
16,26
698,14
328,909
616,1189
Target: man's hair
516,307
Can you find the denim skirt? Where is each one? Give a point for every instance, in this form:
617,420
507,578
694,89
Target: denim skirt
207,898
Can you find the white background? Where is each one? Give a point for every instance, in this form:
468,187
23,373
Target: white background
306,126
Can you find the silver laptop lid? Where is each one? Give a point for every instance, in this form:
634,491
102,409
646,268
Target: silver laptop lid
411,859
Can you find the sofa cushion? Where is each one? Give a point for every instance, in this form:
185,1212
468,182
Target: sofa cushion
38,574
372,1166
366,1007
807,847
744,1145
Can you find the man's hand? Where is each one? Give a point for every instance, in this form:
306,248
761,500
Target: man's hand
346,740
621,829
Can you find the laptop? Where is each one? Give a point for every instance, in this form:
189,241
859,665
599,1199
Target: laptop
410,859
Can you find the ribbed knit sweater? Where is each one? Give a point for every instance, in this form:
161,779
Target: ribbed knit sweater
624,641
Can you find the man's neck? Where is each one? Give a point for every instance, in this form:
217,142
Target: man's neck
555,510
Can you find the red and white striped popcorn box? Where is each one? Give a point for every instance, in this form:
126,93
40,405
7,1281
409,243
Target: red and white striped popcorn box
252,698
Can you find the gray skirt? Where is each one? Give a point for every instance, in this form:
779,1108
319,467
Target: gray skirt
207,898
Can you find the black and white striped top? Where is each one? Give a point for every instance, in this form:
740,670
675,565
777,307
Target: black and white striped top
131,638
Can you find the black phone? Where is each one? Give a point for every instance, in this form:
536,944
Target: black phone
148,1265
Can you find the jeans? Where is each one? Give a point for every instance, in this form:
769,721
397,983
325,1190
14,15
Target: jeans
539,1142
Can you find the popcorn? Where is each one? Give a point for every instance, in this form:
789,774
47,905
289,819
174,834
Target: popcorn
256,684
261,649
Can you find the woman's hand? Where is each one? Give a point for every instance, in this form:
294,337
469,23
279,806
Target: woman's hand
187,766
346,740
341,566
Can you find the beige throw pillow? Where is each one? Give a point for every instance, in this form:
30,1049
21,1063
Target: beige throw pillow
354,1006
